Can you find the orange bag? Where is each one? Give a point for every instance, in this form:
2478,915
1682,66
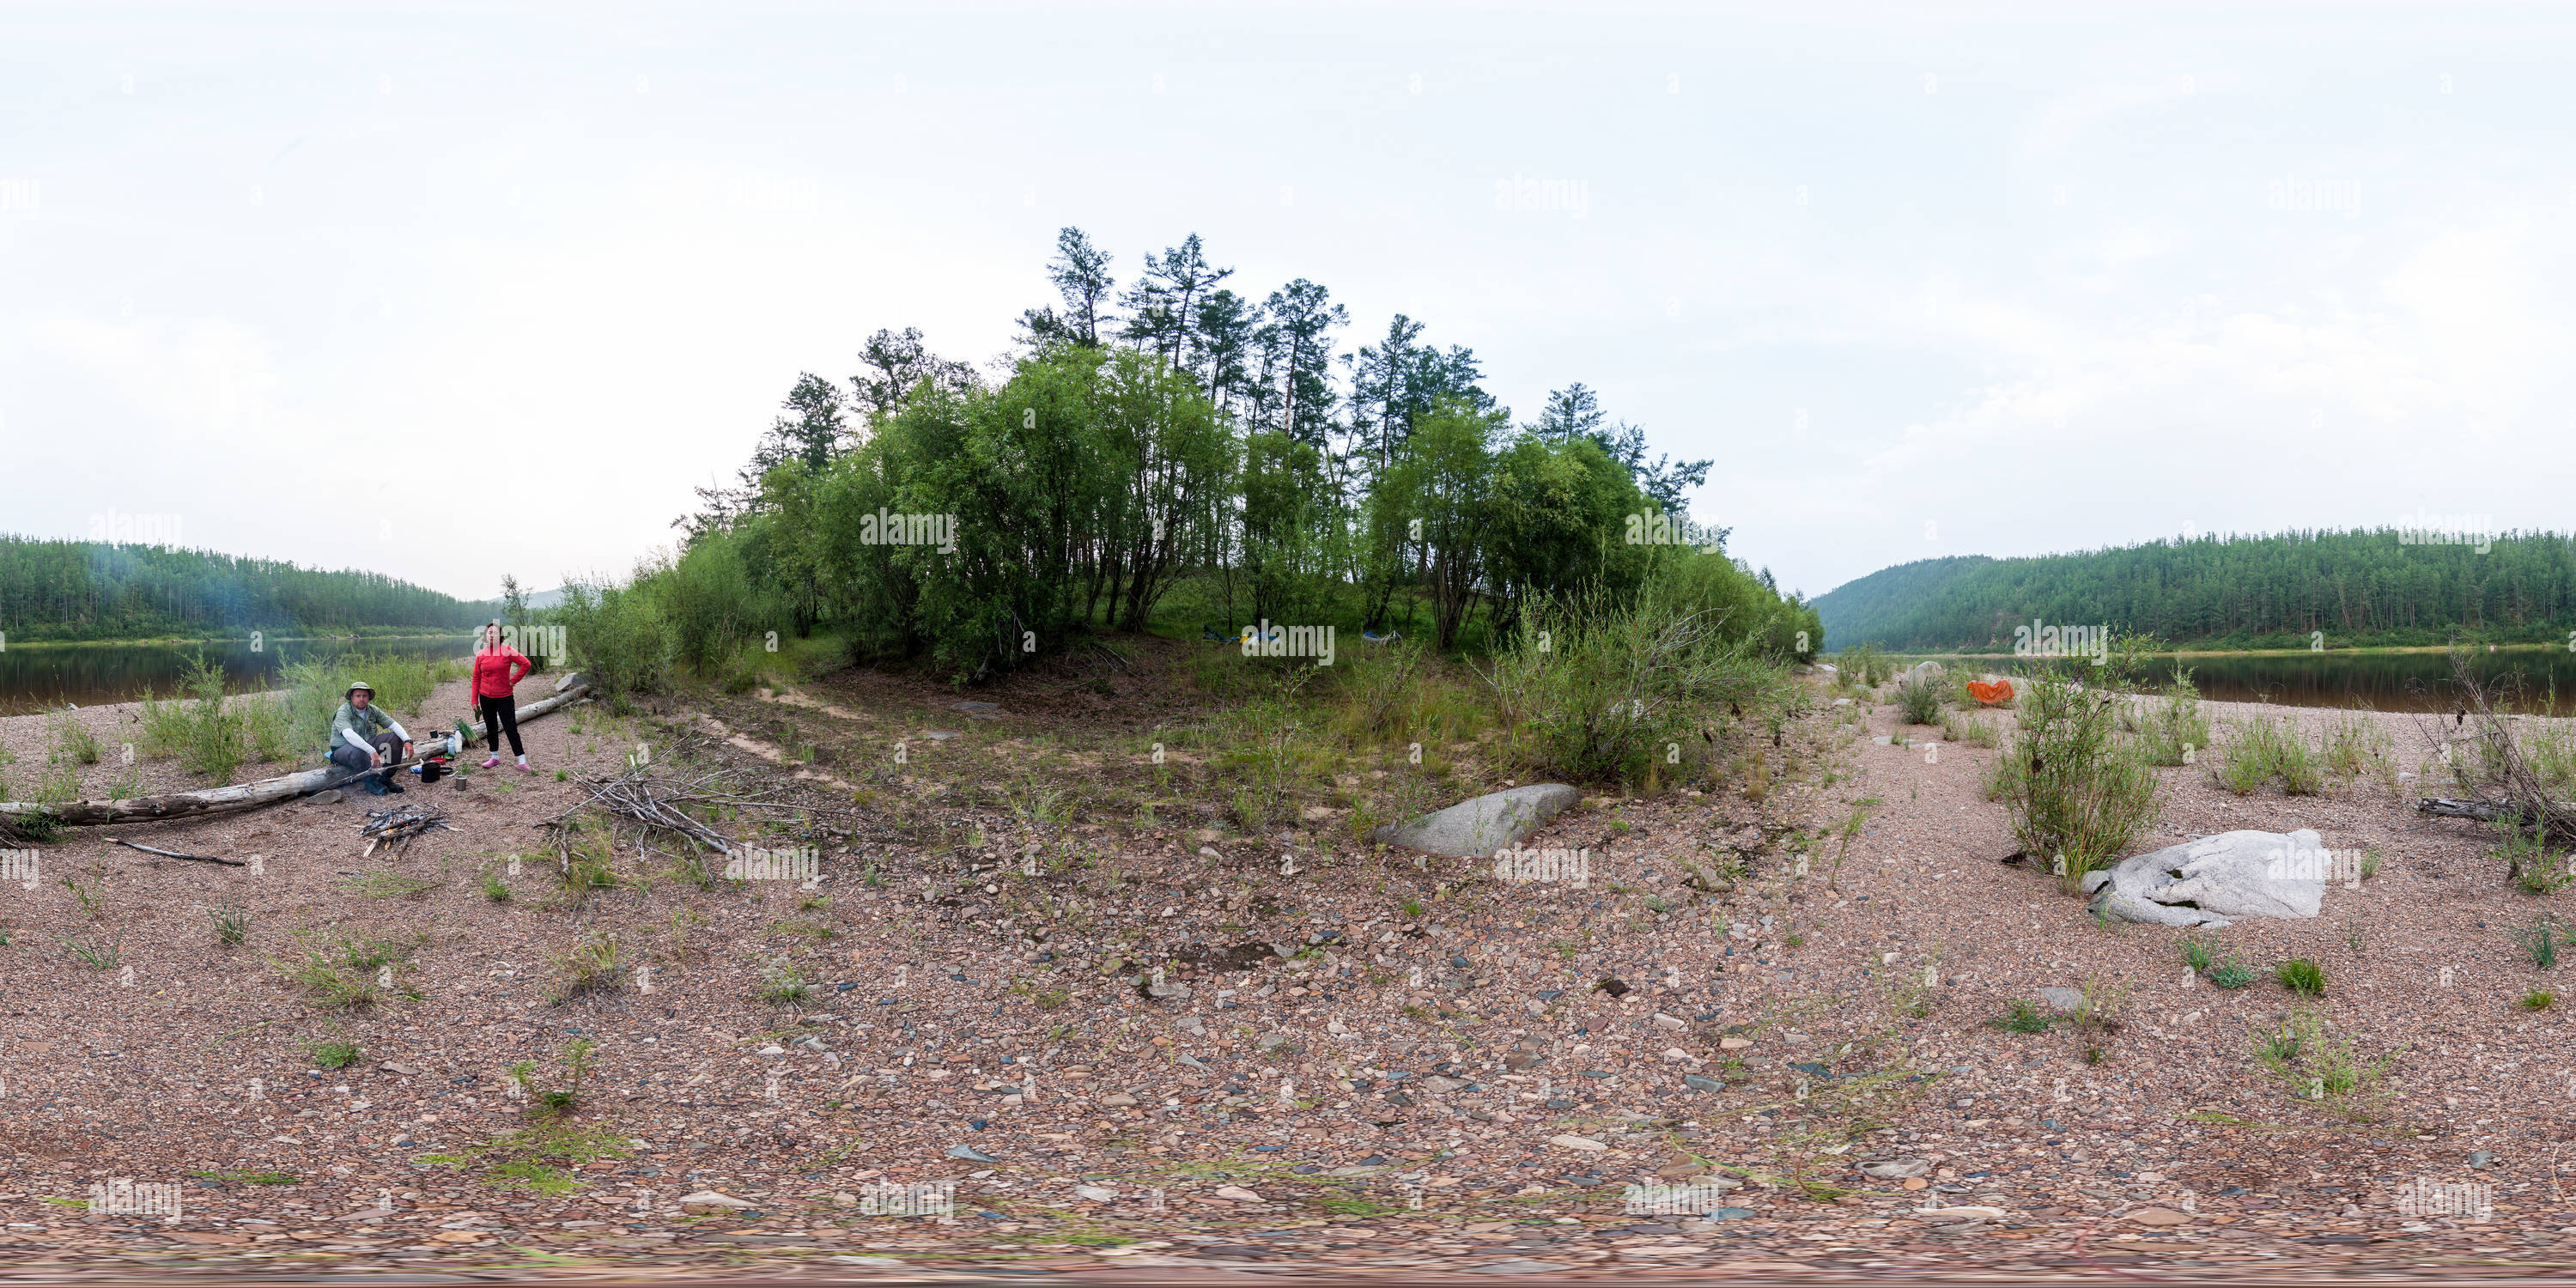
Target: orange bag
1997,691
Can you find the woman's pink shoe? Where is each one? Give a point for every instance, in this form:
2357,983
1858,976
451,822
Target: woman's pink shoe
523,768
496,760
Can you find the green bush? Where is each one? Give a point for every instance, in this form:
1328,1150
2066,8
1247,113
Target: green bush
2075,790
618,634
1597,691
72,740
2175,726
2262,749
2301,976
1919,698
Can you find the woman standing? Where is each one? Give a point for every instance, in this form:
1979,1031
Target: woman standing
498,668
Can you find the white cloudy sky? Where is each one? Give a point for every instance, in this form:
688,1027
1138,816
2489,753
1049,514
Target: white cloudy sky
1925,279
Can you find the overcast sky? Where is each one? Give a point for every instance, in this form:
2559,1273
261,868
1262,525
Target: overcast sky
1924,280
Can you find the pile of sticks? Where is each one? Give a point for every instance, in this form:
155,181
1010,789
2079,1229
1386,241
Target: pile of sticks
670,803
399,826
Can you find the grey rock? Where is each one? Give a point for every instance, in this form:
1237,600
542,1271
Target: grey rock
1438,1082
1698,1082
2481,1159
971,1154
1895,1169
331,797
1476,828
1167,990
567,680
978,706
2210,880
1730,1214
2064,999
1271,1041
1119,1100
1925,671
1522,1266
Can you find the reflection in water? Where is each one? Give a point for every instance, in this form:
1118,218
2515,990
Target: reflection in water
2380,681
37,677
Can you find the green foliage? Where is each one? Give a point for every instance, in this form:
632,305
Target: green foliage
2232,974
332,1054
2075,790
71,740
594,964
2538,999
782,983
2261,749
2302,976
231,922
2022,1017
2310,1065
2232,592
2542,940
1918,697
2196,954
1600,691
2173,726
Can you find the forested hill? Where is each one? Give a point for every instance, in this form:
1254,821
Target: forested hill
2358,587
84,590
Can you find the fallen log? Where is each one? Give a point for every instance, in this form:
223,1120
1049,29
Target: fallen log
244,796
174,854
2481,810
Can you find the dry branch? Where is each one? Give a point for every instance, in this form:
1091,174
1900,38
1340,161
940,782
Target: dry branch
173,854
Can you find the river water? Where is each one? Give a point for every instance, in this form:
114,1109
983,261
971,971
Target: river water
2381,681
39,677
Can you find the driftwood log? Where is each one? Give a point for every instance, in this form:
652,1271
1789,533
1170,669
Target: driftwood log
267,791
2483,811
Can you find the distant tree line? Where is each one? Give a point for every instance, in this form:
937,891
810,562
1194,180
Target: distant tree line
2359,587
1175,450
79,590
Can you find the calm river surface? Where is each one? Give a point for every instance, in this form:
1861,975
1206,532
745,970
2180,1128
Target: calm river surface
38,677
2382,681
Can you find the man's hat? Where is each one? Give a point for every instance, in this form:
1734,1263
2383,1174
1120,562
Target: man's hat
356,685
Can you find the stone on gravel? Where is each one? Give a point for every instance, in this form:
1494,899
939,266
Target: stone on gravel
1237,1193
1698,1082
712,1203
1576,1142
2156,1216
1925,671
1478,827
1972,1213
1095,1193
2207,881
1895,1169
2064,999
1520,1266
971,1154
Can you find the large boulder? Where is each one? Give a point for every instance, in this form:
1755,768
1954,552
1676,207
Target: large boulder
2207,881
1924,672
1476,828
